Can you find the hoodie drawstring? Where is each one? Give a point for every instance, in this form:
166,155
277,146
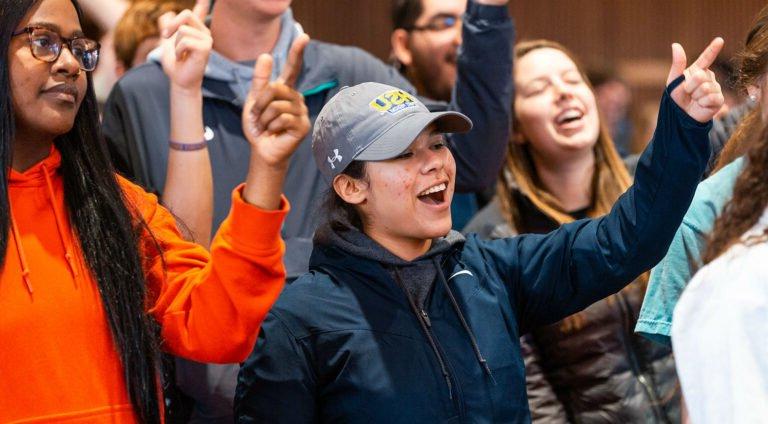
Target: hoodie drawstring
60,225
431,340
22,256
472,338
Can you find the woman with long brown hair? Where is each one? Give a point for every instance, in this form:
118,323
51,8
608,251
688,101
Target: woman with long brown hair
562,166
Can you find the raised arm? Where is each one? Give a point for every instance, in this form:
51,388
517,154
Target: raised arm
558,274
210,307
188,190
483,92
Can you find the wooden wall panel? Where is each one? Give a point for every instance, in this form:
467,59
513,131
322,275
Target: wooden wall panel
632,36
598,30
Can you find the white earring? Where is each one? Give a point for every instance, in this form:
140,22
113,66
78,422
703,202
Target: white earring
752,98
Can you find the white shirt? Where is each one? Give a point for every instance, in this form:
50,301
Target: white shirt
720,335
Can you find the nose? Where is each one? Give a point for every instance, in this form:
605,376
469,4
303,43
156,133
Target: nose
457,40
67,64
434,160
563,91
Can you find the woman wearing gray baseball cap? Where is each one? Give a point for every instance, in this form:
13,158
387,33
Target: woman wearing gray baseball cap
401,319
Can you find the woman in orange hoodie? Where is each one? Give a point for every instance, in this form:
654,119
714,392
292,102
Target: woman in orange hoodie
96,278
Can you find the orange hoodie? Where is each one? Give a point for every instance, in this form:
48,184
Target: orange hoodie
57,358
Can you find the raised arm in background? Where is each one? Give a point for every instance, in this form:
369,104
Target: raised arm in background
273,111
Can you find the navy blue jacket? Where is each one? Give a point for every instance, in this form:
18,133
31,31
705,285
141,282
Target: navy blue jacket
342,344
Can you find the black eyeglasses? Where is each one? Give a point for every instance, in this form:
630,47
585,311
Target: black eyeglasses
438,23
46,44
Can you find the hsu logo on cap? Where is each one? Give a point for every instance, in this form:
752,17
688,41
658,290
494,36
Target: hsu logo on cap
393,102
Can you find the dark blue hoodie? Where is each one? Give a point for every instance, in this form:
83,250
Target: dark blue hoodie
345,343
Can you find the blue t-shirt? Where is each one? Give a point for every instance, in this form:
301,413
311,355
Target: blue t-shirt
683,259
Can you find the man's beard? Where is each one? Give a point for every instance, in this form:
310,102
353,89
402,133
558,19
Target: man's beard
430,76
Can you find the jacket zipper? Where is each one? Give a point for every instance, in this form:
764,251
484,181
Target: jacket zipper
459,403
645,383
445,368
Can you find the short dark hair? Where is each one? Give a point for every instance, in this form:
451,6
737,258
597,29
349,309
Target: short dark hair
405,13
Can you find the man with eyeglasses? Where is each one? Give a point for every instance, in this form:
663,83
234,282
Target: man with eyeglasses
136,125
425,42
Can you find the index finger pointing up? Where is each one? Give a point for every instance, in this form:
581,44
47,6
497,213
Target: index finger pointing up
201,9
262,72
709,54
295,60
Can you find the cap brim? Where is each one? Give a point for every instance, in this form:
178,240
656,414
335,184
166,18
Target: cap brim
396,139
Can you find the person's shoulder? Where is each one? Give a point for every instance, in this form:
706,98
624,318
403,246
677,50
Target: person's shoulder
335,53
307,303
349,64
724,178
745,269
480,251
144,202
711,195
489,222
146,79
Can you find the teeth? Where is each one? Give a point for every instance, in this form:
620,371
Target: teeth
570,114
435,189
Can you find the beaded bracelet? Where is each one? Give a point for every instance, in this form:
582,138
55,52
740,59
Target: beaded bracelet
187,147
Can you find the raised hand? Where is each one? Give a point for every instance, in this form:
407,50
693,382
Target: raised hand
186,44
700,95
275,118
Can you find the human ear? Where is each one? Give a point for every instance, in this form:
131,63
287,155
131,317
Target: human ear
351,190
400,49
753,92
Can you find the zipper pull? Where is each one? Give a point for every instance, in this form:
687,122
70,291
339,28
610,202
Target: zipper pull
426,318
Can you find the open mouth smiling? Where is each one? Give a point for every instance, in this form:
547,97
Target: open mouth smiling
434,195
569,115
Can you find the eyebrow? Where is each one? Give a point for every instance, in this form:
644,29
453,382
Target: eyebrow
544,78
437,135
441,15
55,28
535,80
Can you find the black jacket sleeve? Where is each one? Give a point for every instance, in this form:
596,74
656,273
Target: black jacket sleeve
276,382
552,276
483,92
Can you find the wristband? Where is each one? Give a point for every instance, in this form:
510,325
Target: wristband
187,147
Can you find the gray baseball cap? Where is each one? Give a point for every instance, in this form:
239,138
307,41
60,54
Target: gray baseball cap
371,122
